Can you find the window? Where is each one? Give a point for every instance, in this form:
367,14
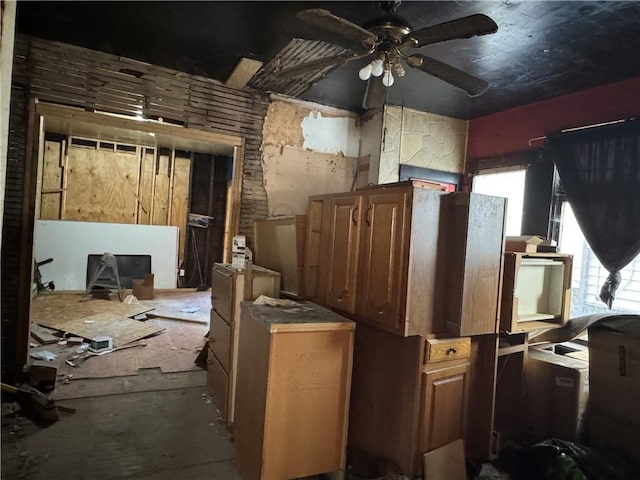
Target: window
509,185
588,274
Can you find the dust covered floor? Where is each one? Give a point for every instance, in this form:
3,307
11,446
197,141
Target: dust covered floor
142,412
157,434
174,349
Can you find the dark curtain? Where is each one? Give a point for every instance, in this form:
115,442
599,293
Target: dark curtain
600,170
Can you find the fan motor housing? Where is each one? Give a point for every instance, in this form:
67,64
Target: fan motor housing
390,26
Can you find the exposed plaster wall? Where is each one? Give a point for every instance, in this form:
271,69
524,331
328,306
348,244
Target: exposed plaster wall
307,150
421,139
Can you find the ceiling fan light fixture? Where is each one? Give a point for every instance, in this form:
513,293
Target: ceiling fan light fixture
387,78
377,67
365,72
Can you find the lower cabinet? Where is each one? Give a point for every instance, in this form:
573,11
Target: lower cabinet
294,373
408,397
444,394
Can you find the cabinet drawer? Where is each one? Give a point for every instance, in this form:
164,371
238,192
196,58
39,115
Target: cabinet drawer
441,350
218,383
222,292
220,339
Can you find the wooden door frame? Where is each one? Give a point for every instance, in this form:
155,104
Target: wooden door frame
69,118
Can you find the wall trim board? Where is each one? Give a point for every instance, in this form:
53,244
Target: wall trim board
69,243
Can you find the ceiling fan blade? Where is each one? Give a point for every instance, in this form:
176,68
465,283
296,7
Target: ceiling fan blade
375,95
465,27
328,21
473,86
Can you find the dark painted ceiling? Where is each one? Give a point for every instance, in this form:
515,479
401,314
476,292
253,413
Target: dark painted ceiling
542,48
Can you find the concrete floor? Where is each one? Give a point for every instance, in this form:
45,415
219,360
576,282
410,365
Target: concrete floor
140,429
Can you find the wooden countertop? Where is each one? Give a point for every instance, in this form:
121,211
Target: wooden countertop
308,317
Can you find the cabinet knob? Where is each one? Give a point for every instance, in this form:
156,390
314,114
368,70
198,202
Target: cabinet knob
452,350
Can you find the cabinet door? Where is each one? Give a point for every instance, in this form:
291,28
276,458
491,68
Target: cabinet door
382,275
444,406
344,247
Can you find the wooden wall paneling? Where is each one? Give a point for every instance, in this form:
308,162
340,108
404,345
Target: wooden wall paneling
145,190
172,171
65,176
161,190
51,193
101,185
136,209
180,198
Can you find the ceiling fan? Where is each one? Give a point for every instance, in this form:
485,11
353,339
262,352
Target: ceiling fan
386,39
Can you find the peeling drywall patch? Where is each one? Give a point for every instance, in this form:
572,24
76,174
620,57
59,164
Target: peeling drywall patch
282,125
291,175
337,135
306,151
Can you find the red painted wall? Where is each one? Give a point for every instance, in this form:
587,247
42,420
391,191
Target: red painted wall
510,131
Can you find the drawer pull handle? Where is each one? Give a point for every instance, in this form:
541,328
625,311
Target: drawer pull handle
452,350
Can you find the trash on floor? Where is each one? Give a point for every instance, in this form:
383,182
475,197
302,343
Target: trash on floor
43,355
190,309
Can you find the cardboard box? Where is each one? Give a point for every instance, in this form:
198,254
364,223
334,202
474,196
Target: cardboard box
523,243
611,434
142,288
614,357
556,394
42,375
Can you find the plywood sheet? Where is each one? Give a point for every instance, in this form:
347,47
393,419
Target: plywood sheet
101,185
170,305
179,200
51,181
54,310
122,329
161,190
145,190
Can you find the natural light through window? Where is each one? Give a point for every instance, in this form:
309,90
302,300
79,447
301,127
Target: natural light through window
588,274
509,185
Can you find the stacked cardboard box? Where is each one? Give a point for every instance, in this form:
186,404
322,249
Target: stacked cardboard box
556,393
614,413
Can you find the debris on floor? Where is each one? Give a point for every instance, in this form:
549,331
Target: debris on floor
44,355
190,309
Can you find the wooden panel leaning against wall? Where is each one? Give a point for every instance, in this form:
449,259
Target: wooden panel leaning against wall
97,181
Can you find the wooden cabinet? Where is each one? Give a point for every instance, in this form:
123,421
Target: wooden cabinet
408,258
343,247
406,401
444,394
229,287
536,291
383,264
294,374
